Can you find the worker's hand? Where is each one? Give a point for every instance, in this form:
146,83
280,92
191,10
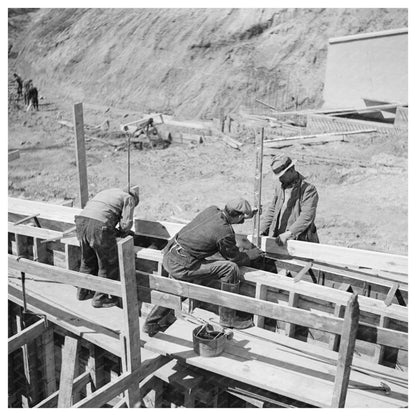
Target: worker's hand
281,239
254,253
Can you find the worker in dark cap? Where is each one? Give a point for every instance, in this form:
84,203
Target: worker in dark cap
291,214
185,258
97,232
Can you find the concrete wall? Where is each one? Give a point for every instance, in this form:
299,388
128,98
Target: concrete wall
372,65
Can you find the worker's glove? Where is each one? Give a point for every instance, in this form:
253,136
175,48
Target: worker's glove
254,253
281,239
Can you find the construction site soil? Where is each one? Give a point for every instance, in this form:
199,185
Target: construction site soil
124,64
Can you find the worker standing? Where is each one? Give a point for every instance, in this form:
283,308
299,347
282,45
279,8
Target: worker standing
292,212
185,258
19,86
97,231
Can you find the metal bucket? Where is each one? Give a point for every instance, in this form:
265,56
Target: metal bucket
207,342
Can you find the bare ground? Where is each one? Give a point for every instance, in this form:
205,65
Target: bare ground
362,207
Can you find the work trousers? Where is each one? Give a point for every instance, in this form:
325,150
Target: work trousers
180,266
99,254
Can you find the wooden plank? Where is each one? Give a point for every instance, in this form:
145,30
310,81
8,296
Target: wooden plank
69,361
49,365
28,218
60,275
52,400
391,295
72,257
346,351
340,255
65,317
266,366
290,328
302,273
258,180
107,392
13,155
284,313
80,153
325,293
40,251
26,335
314,138
261,293
243,303
31,387
131,311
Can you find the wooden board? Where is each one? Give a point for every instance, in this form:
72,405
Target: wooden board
340,255
249,361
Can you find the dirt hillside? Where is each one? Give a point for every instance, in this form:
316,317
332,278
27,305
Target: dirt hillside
124,63
188,62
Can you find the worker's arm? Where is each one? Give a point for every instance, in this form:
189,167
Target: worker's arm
227,247
126,221
308,205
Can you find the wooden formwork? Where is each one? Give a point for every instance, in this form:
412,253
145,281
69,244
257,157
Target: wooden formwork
292,301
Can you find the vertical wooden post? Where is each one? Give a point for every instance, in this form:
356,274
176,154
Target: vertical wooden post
346,352
48,352
290,328
261,291
72,257
339,312
69,361
258,179
40,251
131,359
29,366
80,153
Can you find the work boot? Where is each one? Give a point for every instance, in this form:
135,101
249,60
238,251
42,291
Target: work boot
228,316
158,319
84,294
102,300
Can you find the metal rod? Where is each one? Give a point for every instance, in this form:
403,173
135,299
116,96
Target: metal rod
23,275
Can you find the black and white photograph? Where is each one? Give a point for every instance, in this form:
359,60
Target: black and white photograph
207,206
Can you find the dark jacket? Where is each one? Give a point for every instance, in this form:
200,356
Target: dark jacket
112,207
299,214
208,233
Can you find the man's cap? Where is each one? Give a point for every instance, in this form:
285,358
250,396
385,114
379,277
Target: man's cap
240,205
281,163
134,191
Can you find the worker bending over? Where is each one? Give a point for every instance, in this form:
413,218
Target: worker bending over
97,232
184,258
292,212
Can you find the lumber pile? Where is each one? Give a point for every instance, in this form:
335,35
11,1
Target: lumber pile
313,138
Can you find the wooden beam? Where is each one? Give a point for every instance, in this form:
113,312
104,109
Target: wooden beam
107,392
60,275
48,355
52,400
244,303
80,153
26,335
351,257
261,293
131,310
14,154
391,295
318,136
69,361
346,352
302,273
